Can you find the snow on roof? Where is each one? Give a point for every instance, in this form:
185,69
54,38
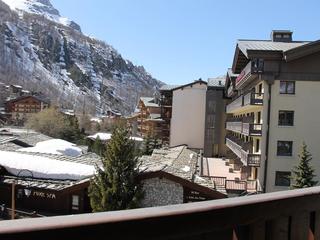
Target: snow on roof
98,120
43,167
55,146
102,136
138,139
107,136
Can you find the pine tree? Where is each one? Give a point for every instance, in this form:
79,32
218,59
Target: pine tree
115,185
147,148
98,147
303,174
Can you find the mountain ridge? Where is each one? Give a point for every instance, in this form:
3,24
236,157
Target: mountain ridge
72,68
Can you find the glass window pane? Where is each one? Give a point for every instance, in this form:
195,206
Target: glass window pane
283,87
284,148
282,178
290,87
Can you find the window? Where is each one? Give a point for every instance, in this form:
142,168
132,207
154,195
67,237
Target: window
212,106
286,118
210,120
284,148
75,202
257,145
287,87
283,179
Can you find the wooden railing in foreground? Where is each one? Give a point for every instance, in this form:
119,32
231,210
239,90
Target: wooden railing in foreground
293,215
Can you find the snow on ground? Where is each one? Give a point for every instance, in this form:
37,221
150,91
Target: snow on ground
43,167
55,146
107,136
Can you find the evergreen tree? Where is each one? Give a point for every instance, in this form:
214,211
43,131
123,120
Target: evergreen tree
147,148
303,174
98,147
115,185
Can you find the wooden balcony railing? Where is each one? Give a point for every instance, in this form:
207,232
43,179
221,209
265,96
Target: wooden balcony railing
293,214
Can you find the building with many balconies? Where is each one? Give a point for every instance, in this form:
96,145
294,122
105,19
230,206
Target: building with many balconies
274,86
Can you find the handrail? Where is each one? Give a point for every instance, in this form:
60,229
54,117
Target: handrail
179,221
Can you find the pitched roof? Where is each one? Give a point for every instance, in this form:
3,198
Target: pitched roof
267,45
190,84
178,161
168,87
216,82
149,102
38,98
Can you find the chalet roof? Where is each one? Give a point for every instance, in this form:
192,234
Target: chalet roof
168,87
178,161
149,102
55,185
190,84
267,45
38,98
216,82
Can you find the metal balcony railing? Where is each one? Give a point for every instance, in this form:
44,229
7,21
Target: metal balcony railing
243,150
251,69
250,98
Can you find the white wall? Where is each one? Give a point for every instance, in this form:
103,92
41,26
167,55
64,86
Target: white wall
188,116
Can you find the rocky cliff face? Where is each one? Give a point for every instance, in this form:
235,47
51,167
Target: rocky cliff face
43,51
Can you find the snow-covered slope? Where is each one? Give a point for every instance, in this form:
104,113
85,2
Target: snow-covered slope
74,70
40,7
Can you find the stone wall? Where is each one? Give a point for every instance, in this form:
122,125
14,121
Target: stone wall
161,192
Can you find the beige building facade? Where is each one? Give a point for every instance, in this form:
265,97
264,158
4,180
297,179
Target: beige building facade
273,108
188,115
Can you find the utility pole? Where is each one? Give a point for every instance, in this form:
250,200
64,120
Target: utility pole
13,199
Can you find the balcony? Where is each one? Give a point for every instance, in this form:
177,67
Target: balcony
250,71
243,151
244,126
292,214
231,91
247,102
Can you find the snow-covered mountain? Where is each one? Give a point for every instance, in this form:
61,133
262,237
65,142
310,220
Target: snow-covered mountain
43,8
43,51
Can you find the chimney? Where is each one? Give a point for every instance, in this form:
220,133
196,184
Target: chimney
281,36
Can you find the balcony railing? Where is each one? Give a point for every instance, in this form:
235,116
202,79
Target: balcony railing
249,99
230,91
244,126
251,129
251,69
234,126
292,214
243,151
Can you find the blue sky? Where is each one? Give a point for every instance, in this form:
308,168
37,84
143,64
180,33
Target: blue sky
178,41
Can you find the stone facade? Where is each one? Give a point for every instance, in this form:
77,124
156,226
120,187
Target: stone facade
161,192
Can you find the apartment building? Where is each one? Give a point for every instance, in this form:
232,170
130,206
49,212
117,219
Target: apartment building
274,86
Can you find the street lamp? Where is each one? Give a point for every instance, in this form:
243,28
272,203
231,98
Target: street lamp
27,191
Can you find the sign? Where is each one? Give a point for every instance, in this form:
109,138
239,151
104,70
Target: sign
43,195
